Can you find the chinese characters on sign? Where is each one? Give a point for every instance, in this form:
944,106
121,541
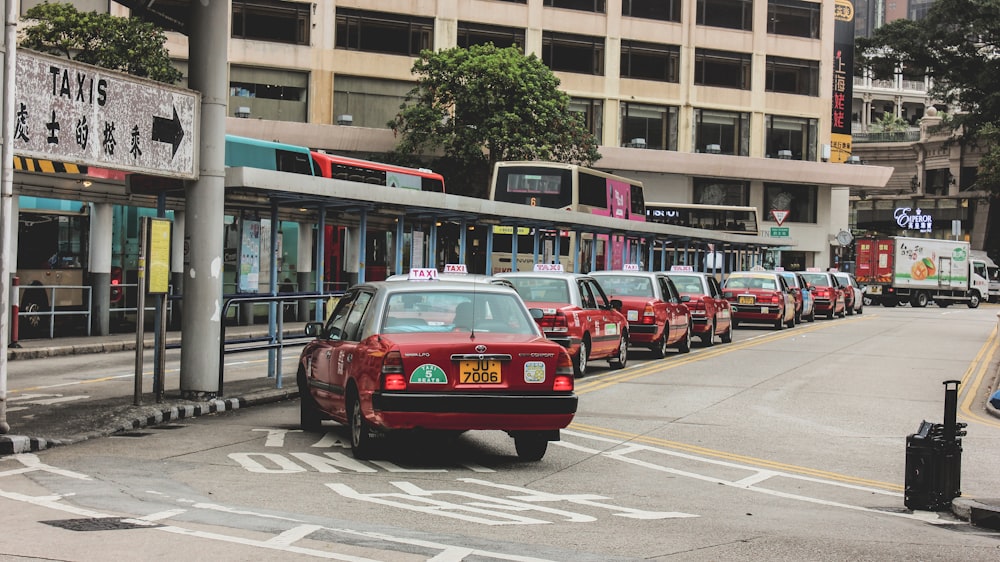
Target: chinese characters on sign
73,112
843,86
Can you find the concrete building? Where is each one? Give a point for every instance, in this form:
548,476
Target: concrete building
724,101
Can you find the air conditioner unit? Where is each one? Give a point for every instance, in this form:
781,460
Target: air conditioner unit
345,119
713,149
785,154
638,143
243,112
854,160
825,153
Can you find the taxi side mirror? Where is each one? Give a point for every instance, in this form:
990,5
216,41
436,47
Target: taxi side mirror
536,313
314,329
685,298
616,304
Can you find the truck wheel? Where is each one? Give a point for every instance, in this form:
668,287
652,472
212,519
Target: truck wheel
889,302
974,299
919,299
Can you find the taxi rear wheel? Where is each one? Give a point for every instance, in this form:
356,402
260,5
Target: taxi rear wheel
727,336
661,347
619,360
362,440
684,346
708,340
580,361
779,324
531,447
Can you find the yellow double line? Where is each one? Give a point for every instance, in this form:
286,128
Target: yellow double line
977,373
658,366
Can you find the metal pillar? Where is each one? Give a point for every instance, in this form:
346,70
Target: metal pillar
489,251
400,234
101,222
320,261
304,268
513,249
178,261
201,324
537,244
463,228
363,243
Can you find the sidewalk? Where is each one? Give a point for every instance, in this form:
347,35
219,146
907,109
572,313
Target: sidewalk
75,421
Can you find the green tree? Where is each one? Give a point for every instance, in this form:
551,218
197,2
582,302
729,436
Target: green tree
126,44
957,42
485,104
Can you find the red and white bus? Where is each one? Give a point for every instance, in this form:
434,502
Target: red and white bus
356,169
568,187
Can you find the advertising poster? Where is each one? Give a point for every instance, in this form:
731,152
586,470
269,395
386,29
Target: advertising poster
249,272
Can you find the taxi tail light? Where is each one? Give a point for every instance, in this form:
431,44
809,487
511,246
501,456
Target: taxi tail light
564,373
649,315
768,298
392,372
557,320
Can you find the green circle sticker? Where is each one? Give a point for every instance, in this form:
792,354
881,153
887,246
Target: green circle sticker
428,373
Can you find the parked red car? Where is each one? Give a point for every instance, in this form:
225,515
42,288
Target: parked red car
760,296
657,315
830,300
711,314
576,314
440,356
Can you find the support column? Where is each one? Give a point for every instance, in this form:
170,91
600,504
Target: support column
303,275
101,219
201,324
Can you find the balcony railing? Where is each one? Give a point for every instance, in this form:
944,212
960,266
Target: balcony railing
904,136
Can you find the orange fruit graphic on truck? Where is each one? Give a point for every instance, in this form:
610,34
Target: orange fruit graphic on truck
923,269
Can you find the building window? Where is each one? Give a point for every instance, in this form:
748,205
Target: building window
798,200
378,32
596,6
722,132
724,69
573,53
731,14
715,191
792,76
275,94
593,115
793,17
271,20
650,61
648,126
791,138
371,102
478,34
663,10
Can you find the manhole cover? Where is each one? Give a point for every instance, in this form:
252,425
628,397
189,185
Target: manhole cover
98,524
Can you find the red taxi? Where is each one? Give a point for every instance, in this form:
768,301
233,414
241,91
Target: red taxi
711,314
827,292
656,312
576,314
435,355
761,297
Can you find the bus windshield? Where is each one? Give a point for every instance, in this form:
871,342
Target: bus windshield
537,186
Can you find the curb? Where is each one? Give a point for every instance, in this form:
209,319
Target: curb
16,444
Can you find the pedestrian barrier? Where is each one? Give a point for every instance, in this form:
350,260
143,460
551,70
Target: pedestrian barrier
36,305
276,341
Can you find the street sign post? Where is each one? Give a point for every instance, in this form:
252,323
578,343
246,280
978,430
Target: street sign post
73,112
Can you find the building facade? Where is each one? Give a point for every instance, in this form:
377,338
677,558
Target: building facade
703,100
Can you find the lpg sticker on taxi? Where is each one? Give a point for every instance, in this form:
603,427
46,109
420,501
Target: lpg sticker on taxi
611,329
428,373
534,371
633,315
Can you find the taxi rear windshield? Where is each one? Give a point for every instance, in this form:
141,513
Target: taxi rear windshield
626,285
541,289
458,311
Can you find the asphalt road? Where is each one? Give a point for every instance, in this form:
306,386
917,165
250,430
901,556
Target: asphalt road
783,445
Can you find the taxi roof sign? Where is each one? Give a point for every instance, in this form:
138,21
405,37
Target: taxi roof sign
455,268
548,267
682,268
630,267
423,274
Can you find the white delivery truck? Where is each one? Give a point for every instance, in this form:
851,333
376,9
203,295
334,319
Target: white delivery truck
992,275
897,269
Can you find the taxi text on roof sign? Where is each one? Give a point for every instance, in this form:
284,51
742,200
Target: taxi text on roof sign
547,267
682,268
423,274
455,268
630,267
73,112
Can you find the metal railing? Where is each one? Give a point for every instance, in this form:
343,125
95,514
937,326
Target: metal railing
275,341
30,307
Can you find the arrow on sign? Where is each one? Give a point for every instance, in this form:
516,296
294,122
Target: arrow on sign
779,216
168,131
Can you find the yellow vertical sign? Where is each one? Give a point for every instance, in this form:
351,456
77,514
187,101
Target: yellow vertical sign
158,274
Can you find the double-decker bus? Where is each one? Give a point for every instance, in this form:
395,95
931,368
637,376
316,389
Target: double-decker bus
569,187
356,169
720,218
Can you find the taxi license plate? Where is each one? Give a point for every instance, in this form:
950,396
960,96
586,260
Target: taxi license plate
480,372
746,299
